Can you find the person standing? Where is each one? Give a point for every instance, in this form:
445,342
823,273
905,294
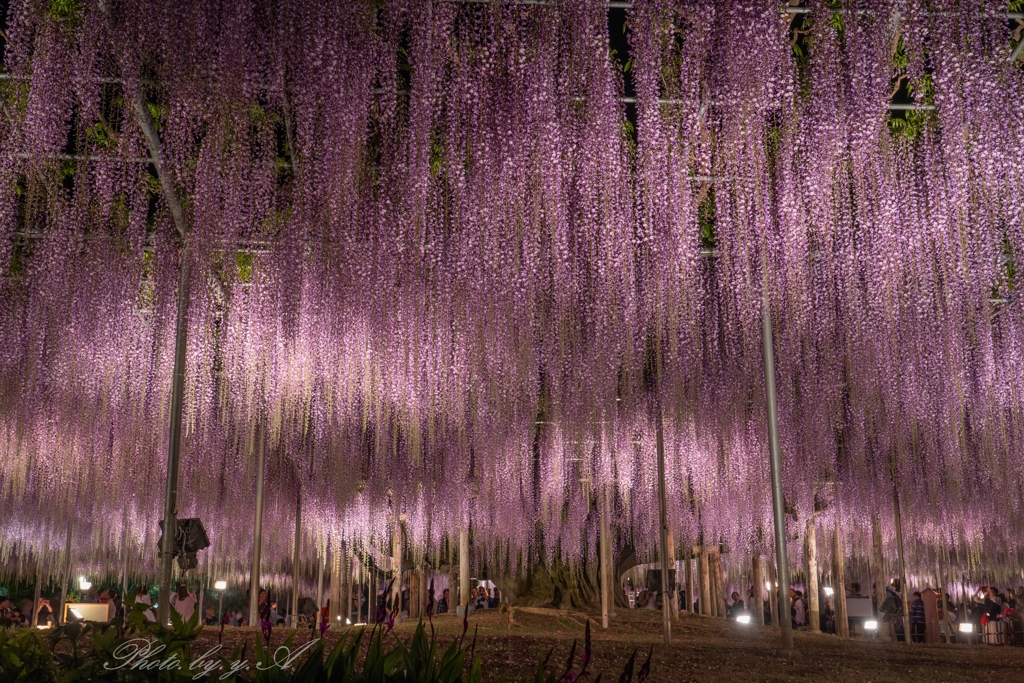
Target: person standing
184,602
735,608
799,611
917,621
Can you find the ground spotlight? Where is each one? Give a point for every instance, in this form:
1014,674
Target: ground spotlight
220,585
966,628
828,590
871,625
743,619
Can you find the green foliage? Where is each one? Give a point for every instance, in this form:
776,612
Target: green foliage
25,656
244,261
706,220
66,12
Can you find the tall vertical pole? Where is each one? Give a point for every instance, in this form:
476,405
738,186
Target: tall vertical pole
124,566
757,599
606,574
257,541
295,559
904,588
778,509
65,575
839,583
666,611
464,568
814,610
320,585
174,441
878,562
688,572
705,582
36,597
944,626
396,589
673,593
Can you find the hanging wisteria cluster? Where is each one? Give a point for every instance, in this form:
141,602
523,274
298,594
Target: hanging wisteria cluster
440,268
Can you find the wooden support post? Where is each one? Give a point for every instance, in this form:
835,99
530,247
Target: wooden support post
673,594
334,592
904,588
424,586
878,564
839,583
396,562
464,567
688,566
814,609
757,608
257,538
371,598
705,583
65,576
773,593
719,597
295,561
943,587
414,594
320,561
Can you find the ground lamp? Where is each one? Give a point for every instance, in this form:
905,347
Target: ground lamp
220,586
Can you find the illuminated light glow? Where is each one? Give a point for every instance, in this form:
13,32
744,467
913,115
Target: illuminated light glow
220,585
871,625
966,627
743,619
828,590
84,584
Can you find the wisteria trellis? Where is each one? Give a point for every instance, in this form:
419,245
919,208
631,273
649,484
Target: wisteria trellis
436,269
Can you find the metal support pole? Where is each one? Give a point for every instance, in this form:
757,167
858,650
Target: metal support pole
904,588
174,441
320,585
756,605
36,597
666,608
878,560
464,568
839,583
257,541
295,560
778,509
814,611
124,568
396,560
220,608
606,574
65,576
673,593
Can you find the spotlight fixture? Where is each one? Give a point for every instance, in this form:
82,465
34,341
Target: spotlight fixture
220,585
83,584
871,625
828,590
743,619
966,627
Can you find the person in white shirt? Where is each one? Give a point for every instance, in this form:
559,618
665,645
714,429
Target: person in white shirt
141,595
183,602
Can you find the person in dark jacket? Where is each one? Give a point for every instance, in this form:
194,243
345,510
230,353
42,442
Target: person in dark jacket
736,608
917,623
442,604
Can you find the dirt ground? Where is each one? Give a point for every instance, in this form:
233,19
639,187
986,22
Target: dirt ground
703,649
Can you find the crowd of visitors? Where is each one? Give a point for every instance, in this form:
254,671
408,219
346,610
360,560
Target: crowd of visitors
991,615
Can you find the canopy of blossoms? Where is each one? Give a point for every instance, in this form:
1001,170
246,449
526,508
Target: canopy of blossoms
440,265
